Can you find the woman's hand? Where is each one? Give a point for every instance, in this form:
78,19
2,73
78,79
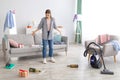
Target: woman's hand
59,31
33,33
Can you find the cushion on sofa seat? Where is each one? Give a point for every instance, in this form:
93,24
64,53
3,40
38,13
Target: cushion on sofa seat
26,49
59,46
38,38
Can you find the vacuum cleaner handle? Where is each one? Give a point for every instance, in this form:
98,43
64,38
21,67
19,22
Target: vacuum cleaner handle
95,45
89,49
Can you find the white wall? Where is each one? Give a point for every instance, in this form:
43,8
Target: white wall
28,10
100,17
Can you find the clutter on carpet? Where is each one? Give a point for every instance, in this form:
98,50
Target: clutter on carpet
23,73
73,66
34,70
10,66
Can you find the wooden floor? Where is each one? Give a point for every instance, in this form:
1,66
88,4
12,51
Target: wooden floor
59,70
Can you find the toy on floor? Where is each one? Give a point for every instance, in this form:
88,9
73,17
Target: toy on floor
9,66
23,73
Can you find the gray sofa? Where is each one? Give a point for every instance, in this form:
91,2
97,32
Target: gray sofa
28,50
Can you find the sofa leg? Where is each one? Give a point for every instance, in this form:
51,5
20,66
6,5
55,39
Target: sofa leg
88,57
115,59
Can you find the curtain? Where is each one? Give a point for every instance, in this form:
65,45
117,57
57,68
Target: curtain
78,35
79,5
78,32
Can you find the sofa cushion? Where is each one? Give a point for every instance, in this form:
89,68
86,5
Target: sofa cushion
31,49
38,38
26,49
114,37
25,39
59,46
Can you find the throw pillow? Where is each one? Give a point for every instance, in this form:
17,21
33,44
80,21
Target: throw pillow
104,38
13,43
57,39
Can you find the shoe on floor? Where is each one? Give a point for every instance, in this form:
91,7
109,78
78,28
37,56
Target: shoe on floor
44,61
52,60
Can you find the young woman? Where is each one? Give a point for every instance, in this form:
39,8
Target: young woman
47,24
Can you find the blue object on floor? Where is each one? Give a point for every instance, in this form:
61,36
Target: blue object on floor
10,66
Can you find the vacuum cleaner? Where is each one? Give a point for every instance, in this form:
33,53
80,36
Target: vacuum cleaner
95,60
105,70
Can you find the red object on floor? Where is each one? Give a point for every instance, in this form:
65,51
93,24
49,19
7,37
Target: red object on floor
23,73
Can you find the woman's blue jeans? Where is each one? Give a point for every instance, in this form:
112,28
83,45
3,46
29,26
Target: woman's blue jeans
44,51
